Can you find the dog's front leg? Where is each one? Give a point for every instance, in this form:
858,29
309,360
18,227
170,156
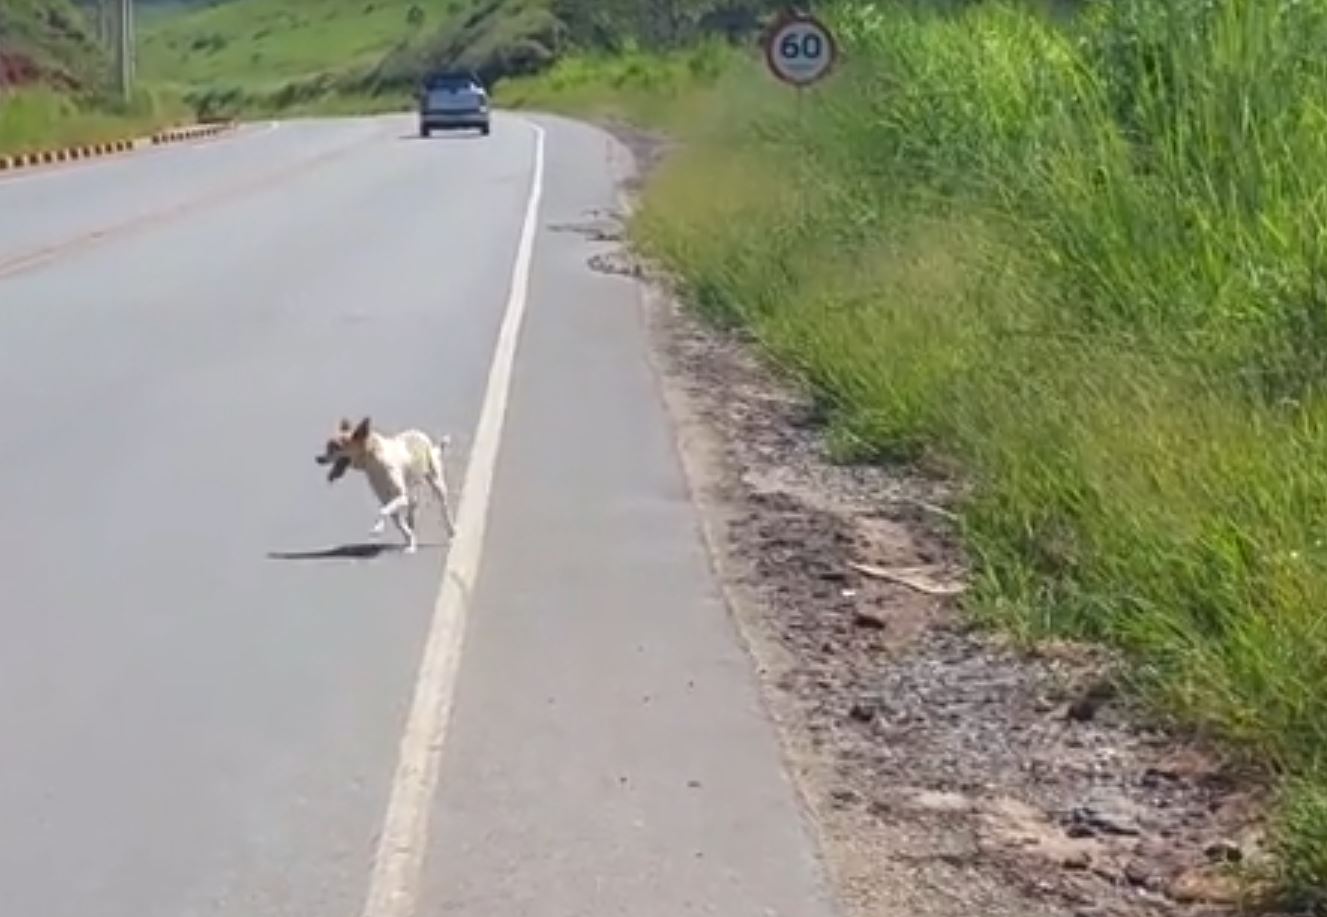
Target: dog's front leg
407,532
395,509
388,509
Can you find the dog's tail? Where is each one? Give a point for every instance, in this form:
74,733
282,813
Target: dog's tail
440,445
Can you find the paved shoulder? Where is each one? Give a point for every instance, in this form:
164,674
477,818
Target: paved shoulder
608,754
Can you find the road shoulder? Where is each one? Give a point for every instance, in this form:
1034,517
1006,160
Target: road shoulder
948,772
608,752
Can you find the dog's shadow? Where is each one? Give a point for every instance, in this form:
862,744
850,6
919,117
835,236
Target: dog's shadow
360,551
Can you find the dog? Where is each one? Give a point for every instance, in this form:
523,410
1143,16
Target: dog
395,467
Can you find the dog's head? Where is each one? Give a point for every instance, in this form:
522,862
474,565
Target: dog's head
345,449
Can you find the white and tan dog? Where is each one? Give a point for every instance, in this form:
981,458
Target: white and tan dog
395,466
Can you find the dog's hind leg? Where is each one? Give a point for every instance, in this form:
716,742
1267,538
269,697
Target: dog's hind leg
438,484
440,491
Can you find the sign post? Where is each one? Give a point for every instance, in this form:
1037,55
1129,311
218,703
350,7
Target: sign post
800,50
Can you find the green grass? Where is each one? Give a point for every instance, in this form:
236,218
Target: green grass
662,91
262,45
67,99
56,37
279,55
1083,260
42,118
336,56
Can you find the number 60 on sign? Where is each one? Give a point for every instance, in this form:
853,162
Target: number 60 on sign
799,49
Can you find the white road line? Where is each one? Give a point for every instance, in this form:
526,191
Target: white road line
394,884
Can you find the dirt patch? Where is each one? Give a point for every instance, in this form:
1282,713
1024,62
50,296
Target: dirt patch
647,151
17,70
948,773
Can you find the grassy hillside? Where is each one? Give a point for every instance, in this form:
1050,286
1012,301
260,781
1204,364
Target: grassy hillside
48,41
278,54
54,81
1084,262
263,45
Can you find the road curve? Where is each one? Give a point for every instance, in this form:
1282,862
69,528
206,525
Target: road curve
201,702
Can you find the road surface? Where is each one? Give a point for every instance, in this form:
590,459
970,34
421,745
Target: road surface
208,706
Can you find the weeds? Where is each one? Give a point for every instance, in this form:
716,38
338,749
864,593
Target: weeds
36,119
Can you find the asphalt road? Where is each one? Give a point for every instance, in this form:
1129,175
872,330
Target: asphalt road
202,702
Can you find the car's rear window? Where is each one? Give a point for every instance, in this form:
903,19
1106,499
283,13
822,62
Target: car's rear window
449,81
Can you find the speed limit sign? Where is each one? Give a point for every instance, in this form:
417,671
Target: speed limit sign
799,49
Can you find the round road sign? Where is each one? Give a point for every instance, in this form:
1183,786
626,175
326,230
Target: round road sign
799,49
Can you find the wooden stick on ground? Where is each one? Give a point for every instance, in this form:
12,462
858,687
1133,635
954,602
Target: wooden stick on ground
906,577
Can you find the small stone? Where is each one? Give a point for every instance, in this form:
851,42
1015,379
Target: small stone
1107,817
1182,764
862,713
844,797
1082,710
1138,873
1204,887
1224,851
938,801
868,621
1096,695
1077,860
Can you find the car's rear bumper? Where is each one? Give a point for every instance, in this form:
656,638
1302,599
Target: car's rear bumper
446,119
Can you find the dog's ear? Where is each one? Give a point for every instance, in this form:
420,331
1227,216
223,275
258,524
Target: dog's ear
344,426
362,431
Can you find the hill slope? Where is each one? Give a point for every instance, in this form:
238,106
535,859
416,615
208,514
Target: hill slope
48,42
54,81
281,54
261,44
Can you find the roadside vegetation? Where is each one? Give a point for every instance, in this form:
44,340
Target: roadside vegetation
268,56
55,82
45,118
1080,259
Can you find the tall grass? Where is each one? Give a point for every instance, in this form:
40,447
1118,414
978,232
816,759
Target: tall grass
60,76
1084,259
662,91
39,118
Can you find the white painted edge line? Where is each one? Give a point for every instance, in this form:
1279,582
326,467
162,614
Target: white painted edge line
398,865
